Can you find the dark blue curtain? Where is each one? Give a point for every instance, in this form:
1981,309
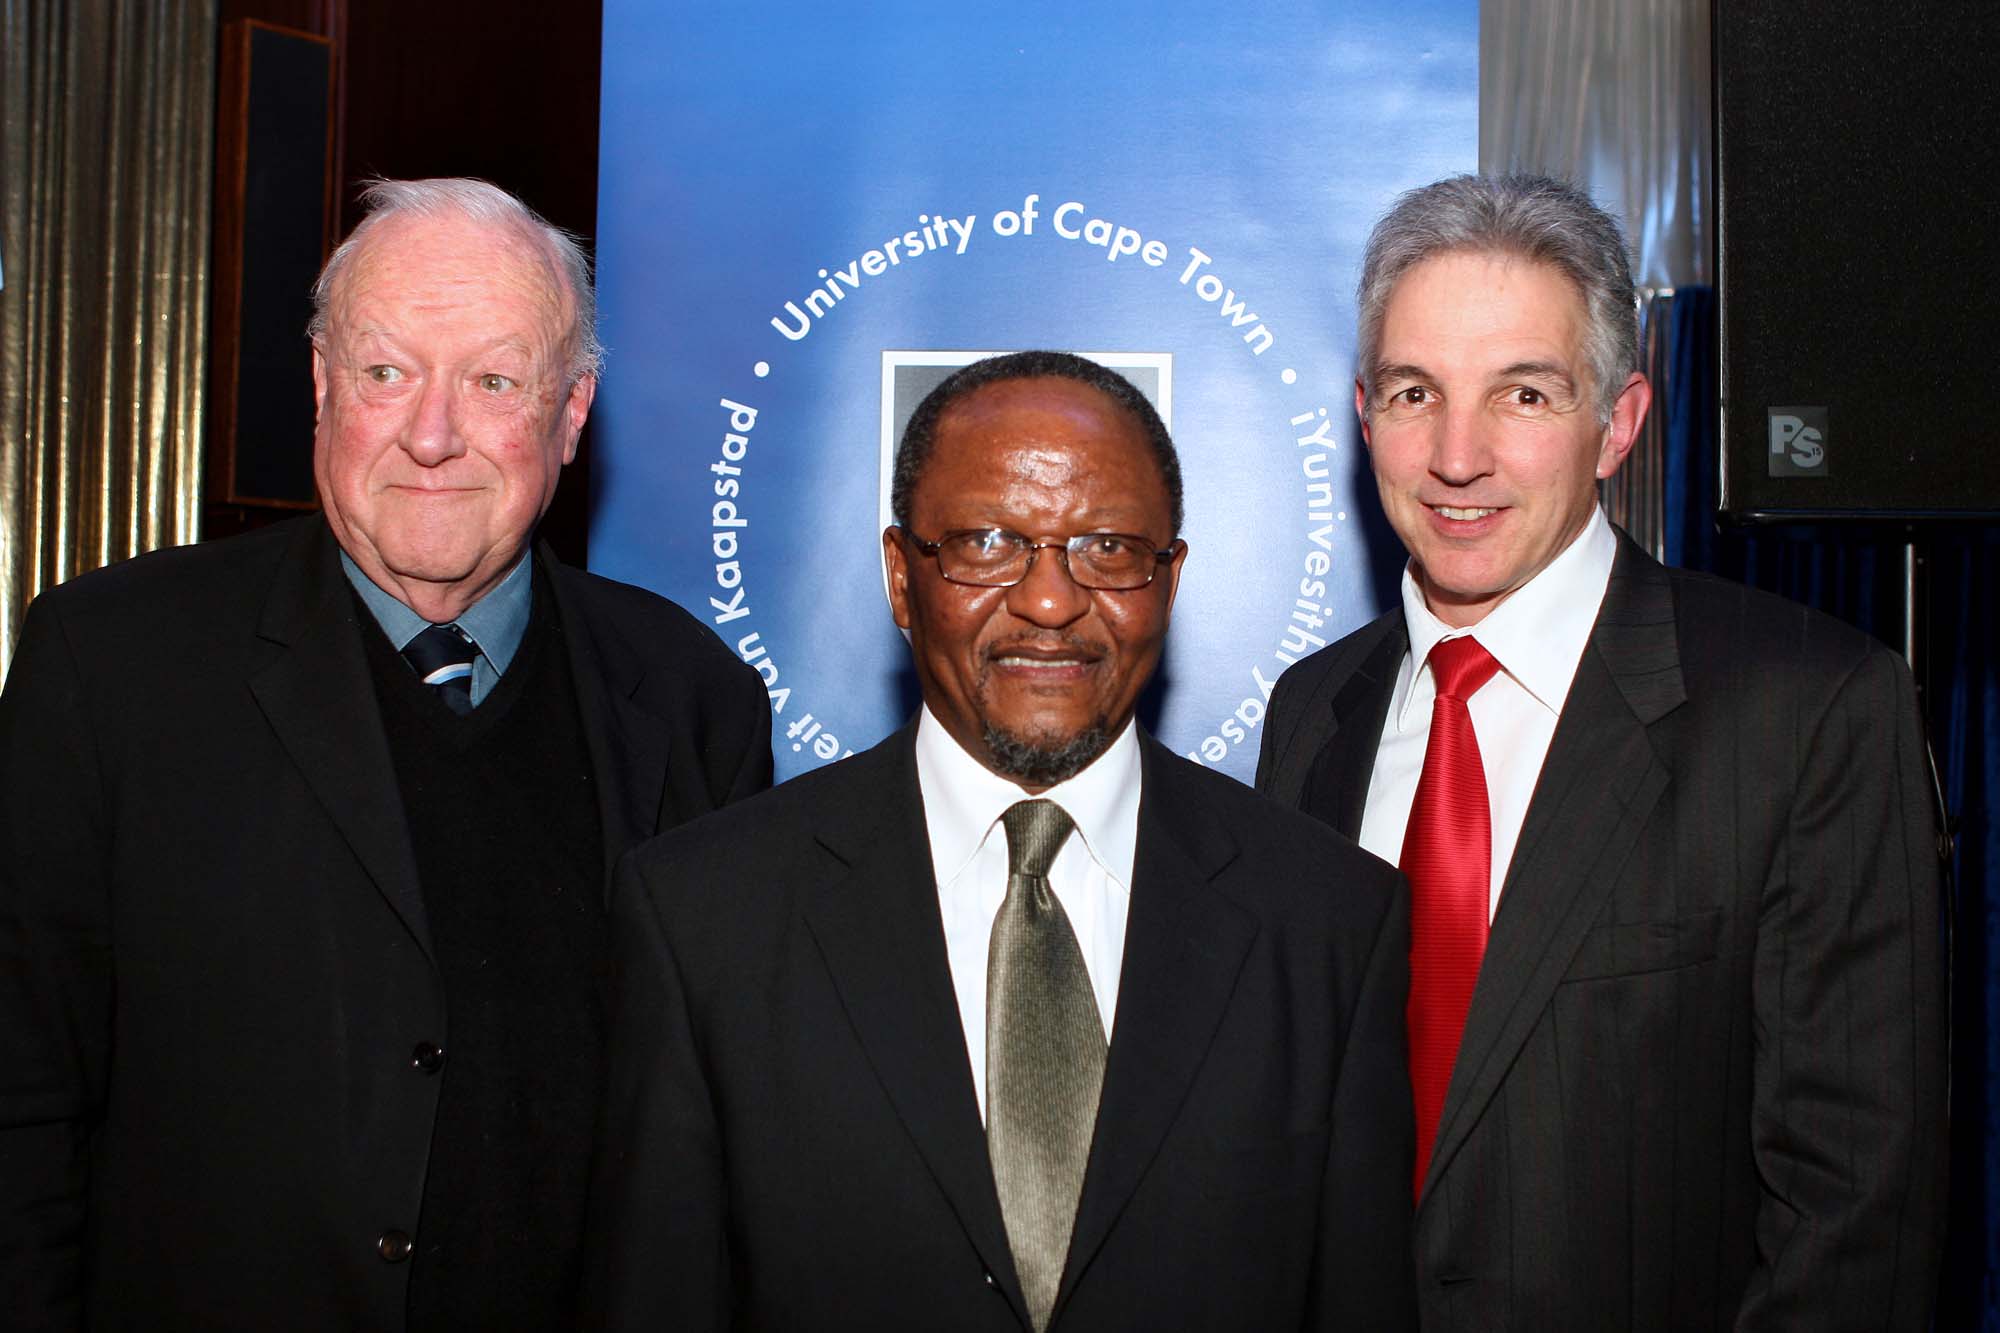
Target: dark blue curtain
1857,573
1966,722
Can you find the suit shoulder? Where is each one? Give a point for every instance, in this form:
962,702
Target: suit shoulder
1270,834
649,618
1749,633
1341,656
761,835
175,569
603,596
176,590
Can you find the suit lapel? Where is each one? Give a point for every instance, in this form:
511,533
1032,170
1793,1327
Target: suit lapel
1350,700
1362,705
1598,785
631,773
1184,945
878,927
317,694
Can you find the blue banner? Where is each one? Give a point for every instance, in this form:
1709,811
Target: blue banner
809,213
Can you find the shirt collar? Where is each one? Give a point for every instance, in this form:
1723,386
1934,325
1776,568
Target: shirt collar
1538,634
964,799
496,621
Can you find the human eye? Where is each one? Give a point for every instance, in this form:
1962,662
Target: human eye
495,383
986,546
1537,400
1118,558
382,374
1108,545
1412,396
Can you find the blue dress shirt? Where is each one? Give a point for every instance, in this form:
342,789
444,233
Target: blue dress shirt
496,621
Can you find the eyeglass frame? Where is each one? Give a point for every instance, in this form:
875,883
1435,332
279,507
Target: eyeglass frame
1161,556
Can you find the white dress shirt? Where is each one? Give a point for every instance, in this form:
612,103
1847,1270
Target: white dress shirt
1091,877
1538,636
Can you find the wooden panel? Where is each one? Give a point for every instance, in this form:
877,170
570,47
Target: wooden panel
273,173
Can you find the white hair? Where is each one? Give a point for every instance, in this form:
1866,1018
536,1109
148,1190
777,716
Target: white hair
475,201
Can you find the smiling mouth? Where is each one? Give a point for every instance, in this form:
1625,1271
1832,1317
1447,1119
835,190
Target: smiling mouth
1461,515
1047,657
1019,660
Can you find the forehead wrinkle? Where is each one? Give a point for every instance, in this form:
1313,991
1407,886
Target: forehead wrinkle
509,340
512,258
1402,370
1047,456
1549,370
1074,521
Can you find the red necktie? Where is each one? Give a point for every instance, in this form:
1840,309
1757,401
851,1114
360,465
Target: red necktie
1448,856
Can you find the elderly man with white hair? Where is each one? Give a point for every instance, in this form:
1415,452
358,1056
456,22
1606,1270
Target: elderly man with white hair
304,839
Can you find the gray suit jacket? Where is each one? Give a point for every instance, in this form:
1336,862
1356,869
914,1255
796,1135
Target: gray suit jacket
1701,1081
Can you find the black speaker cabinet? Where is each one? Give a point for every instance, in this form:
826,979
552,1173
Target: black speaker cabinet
1857,228
273,173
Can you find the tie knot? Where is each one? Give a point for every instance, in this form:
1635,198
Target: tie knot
1035,833
1460,666
441,654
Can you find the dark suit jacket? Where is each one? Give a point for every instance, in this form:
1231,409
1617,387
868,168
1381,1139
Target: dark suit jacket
214,963
794,1139
1700,1083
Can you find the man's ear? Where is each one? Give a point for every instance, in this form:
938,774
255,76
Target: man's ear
319,384
1628,413
1174,574
896,567
576,410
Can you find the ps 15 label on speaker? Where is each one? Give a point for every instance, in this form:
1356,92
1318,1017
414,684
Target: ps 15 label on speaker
1799,441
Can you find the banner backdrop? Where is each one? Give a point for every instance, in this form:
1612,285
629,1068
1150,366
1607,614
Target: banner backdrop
809,213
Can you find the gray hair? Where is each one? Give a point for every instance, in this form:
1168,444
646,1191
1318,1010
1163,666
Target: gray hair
475,201
1535,218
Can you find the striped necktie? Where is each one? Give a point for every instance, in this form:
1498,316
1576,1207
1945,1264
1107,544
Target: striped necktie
442,657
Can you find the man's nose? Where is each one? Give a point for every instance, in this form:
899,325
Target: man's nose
432,436
1046,594
1460,452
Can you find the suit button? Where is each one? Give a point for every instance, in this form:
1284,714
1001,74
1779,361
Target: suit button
393,1246
990,1282
427,1056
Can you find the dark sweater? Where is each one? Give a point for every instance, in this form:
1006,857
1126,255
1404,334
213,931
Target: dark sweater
503,820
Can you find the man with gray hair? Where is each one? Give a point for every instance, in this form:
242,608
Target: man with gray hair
1674,1014
305,836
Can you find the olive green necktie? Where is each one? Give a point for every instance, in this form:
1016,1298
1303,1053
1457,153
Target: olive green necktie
1044,1057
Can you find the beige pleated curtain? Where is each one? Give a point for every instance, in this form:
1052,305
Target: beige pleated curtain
106,131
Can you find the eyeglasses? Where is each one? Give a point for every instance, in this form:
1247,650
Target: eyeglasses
998,558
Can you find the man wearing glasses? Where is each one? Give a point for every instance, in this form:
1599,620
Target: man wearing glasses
1017,1020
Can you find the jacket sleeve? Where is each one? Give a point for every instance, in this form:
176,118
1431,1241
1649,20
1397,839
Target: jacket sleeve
1364,1273
1847,1115
1278,724
657,1246
56,979
751,725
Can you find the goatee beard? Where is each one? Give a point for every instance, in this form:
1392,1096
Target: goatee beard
1044,763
